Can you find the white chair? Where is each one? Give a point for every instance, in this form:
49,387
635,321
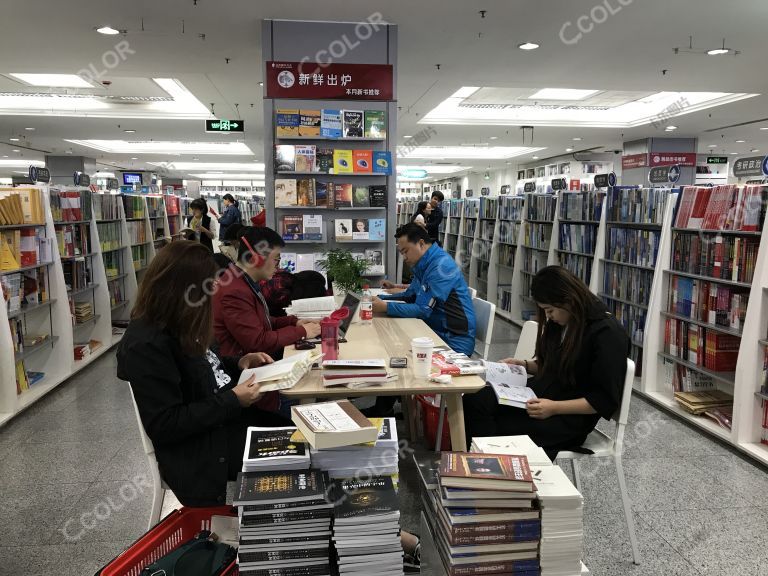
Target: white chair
472,292
158,486
526,345
604,446
485,313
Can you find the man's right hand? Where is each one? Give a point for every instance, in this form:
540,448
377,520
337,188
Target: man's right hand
248,392
513,361
312,329
387,285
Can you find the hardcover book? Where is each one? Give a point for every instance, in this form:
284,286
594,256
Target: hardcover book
285,192
360,229
358,499
285,158
333,424
377,229
293,227
492,471
343,228
362,161
375,260
382,162
287,263
310,123
305,191
330,124
305,158
324,160
375,124
322,191
274,487
273,444
342,194
342,162
353,123
287,122
377,194
313,227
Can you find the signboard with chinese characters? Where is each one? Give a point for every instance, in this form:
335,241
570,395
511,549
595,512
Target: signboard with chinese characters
332,81
38,174
717,159
559,184
634,161
673,158
225,126
752,166
605,180
529,187
661,175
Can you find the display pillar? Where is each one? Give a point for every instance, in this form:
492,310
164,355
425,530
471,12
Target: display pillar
641,156
63,168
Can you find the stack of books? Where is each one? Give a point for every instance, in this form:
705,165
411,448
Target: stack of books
354,373
366,527
480,508
512,445
285,523
698,402
378,458
274,449
307,308
333,424
83,311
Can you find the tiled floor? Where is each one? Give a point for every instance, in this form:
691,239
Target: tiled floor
74,489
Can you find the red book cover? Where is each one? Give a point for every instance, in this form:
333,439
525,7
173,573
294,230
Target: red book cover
696,218
466,470
710,216
362,161
686,205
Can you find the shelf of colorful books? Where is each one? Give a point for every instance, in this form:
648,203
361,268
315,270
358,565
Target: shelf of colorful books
728,378
629,265
703,324
723,281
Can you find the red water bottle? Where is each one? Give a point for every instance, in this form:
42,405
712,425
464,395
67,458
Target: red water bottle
329,333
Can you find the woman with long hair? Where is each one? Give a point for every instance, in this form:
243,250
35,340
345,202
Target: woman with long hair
578,370
423,210
189,399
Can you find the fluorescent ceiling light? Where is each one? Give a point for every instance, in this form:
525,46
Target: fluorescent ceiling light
494,138
718,51
712,146
235,176
20,163
15,150
108,30
670,128
29,128
465,92
608,109
14,139
103,175
466,152
734,153
764,128
129,131
569,149
535,157
740,141
210,166
407,136
754,150
562,94
167,147
439,169
52,80
577,139
528,46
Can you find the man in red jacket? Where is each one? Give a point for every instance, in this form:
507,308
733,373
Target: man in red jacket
241,319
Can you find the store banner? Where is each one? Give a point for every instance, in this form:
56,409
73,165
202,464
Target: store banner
529,187
559,184
664,174
37,174
673,158
634,161
308,80
605,180
752,166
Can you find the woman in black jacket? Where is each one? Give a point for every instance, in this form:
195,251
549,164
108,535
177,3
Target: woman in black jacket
200,223
189,401
578,371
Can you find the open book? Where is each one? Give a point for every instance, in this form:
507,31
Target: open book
284,373
312,307
510,383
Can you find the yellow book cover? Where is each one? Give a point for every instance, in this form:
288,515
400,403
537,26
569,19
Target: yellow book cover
4,216
309,123
21,378
342,162
8,257
287,122
18,210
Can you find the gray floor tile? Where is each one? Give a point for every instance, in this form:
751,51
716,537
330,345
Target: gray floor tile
128,462
59,560
607,551
716,542
744,478
655,436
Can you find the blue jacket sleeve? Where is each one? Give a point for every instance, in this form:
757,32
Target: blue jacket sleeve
419,303
408,294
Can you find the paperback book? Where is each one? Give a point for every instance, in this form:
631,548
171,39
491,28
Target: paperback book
310,123
287,122
330,123
353,123
313,227
375,124
305,191
285,158
285,192
305,158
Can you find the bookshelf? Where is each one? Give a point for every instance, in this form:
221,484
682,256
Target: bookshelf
635,221
346,203
482,249
537,249
468,228
579,226
709,320
502,279
453,215
173,214
140,233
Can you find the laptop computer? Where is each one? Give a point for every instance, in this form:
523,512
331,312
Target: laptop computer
352,301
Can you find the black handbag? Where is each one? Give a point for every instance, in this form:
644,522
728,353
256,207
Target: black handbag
198,557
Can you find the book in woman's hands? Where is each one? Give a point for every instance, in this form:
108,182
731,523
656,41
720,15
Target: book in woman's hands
282,374
510,383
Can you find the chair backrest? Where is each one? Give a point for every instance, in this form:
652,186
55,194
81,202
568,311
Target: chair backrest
526,345
472,292
485,313
149,448
622,416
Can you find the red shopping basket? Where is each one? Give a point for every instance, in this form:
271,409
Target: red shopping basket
431,420
174,530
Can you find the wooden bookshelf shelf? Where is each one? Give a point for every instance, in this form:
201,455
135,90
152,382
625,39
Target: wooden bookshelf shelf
714,327
709,279
725,377
30,309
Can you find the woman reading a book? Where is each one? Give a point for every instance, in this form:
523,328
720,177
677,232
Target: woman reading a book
578,370
188,397
423,210
200,223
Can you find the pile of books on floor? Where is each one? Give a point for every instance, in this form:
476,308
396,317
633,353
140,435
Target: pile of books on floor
480,508
366,527
698,402
559,501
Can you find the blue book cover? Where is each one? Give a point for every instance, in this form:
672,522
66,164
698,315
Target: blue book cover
377,229
330,123
382,162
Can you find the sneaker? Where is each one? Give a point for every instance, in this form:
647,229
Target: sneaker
412,562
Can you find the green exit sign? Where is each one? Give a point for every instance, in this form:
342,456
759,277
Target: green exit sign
225,126
717,159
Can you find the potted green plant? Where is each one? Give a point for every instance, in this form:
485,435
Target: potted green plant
344,270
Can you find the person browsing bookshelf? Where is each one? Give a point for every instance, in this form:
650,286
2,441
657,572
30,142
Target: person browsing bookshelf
435,217
578,370
231,214
200,223
423,210
438,293
188,396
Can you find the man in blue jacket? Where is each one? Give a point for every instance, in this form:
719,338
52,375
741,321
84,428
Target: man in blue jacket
438,293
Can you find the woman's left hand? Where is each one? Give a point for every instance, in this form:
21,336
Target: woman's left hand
541,408
308,321
254,360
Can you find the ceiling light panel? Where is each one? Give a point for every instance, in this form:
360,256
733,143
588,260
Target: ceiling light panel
20,163
160,147
209,166
562,94
51,80
433,169
466,152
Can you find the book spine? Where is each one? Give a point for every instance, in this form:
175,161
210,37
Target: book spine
518,567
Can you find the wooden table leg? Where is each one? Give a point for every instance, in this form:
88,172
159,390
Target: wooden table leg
456,422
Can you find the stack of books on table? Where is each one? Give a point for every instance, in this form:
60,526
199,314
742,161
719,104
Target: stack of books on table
274,449
366,527
378,458
285,523
354,373
306,308
480,508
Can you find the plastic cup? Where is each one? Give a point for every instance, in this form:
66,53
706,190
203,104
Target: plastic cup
422,356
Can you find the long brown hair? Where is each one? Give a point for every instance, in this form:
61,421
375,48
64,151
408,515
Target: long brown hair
556,286
175,294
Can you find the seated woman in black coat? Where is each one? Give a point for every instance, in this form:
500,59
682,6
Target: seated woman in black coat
189,401
578,371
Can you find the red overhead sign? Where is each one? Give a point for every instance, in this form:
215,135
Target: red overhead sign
634,161
673,158
309,80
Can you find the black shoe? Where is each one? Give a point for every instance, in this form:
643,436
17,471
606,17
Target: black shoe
412,562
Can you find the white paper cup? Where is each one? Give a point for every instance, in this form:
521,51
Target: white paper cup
422,356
